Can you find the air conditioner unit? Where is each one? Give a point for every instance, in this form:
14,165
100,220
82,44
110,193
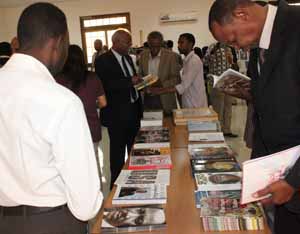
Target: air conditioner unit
178,17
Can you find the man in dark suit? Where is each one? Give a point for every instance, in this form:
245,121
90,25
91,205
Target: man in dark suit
274,90
124,105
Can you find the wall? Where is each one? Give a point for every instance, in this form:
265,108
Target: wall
144,16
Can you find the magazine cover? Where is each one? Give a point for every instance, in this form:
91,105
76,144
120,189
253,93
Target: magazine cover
143,177
151,151
212,153
195,147
132,219
206,137
152,138
150,162
218,181
142,194
216,166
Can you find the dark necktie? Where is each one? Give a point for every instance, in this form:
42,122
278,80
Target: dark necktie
127,73
262,57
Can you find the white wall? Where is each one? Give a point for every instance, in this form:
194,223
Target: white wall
144,16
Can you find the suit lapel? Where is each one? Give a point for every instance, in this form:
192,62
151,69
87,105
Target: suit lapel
272,55
115,63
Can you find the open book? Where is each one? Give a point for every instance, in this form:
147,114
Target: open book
228,77
147,80
260,172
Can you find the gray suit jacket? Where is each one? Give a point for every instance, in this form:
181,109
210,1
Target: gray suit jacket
168,74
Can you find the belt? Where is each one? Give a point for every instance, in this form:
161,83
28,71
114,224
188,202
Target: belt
28,210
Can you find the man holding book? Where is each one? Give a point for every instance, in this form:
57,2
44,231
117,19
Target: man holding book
275,87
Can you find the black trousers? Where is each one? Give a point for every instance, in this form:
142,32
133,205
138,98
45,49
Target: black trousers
286,222
121,135
59,221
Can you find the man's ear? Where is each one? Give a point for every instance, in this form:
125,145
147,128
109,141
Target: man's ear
241,13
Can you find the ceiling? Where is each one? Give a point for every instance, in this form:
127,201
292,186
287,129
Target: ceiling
17,3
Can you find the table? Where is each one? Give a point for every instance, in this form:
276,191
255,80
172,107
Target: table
182,215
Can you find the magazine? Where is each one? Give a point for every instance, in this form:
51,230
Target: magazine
143,177
141,194
195,147
218,181
182,116
150,162
212,153
232,194
267,169
147,80
229,77
133,219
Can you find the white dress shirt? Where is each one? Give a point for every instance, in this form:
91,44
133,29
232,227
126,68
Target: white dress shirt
153,64
192,87
46,151
119,58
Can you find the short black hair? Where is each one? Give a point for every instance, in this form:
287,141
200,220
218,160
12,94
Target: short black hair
5,48
189,37
38,23
221,10
170,44
155,35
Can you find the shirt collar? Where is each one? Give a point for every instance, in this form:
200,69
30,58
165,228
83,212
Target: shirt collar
157,56
28,64
189,56
265,38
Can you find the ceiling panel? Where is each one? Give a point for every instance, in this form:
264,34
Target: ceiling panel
18,3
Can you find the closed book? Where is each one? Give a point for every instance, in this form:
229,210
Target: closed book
218,181
150,162
127,177
133,219
141,194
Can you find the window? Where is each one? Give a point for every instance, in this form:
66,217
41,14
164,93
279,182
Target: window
100,27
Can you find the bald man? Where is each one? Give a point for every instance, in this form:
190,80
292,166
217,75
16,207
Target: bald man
123,112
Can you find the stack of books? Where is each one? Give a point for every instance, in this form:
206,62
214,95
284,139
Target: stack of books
223,214
142,187
203,126
182,116
144,184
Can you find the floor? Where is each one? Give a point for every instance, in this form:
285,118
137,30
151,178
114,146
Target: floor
237,144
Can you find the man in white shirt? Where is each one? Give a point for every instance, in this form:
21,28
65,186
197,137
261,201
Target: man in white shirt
49,181
98,45
192,86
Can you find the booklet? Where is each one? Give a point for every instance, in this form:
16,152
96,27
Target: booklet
228,77
260,172
147,80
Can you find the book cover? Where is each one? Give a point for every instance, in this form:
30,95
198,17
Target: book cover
147,81
229,194
267,169
155,137
215,166
228,77
206,137
203,126
141,194
218,181
150,162
133,219
195,147
212,153
151,151
143,177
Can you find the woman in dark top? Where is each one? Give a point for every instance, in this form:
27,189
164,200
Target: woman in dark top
88,87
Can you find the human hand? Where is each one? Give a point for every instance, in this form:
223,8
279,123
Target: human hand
280,192
237,88
153,91
136,79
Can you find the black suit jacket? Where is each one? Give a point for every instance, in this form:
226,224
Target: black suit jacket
117,89
276,92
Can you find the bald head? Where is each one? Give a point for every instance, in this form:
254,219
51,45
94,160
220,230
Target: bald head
121,40
98,44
